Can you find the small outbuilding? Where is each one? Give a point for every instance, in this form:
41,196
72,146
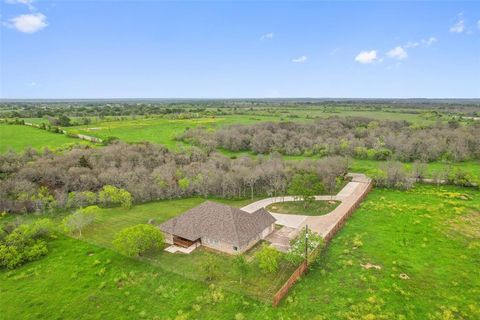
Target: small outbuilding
218,226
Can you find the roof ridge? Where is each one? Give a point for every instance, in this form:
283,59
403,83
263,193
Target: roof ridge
235,227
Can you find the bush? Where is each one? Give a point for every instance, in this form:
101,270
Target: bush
110,195
268,258
23,244
393,175
39,229
210,268
297,251
134,241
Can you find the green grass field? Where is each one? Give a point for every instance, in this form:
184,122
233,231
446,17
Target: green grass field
256,284
370,167
18,138
402,255
316,208
164,130
161,130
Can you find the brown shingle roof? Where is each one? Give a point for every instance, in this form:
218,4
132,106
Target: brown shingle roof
219,222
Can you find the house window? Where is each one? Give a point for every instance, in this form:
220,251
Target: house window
235,248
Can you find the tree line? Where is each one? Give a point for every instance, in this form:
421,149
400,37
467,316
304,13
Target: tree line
357,137
122,174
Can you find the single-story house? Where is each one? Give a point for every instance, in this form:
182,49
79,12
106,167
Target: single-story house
218,226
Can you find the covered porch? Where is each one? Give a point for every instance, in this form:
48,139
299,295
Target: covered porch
184,243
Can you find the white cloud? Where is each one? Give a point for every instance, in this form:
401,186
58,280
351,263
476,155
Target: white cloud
428,42
367,56
478,24
267,36
28,3
300,59
412,44
397,53
19,1
459,26
423,42
28,23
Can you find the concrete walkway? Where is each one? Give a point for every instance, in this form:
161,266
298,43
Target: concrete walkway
325,225
174,248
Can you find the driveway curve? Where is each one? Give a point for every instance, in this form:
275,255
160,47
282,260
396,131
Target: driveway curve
326,225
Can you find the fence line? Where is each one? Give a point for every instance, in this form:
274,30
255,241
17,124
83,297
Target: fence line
283,291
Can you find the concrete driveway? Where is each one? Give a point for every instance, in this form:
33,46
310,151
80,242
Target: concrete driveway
289,220
348,196
280,239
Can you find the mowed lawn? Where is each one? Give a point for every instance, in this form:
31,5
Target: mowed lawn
315,208
402,255
255,284
111,220
19,137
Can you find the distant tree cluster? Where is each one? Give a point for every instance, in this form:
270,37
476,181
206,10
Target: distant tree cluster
357,137
121,174
84,112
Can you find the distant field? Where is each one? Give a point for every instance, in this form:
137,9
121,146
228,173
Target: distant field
164,131
160,130
18,138
370,167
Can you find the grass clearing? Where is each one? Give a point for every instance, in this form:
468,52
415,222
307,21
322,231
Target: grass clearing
371,167
18,138
316,208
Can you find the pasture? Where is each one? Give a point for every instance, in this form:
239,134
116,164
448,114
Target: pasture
159,130
163,130
402,255
18,138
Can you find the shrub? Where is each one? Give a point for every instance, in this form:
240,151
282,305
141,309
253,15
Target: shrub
38,229
110,195
393,175
268,259
210,268
9,256
23,244
134,241
297,251
382,154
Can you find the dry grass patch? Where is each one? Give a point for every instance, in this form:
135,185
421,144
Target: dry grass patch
467,225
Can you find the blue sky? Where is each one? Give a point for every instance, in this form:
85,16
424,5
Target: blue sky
232,49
